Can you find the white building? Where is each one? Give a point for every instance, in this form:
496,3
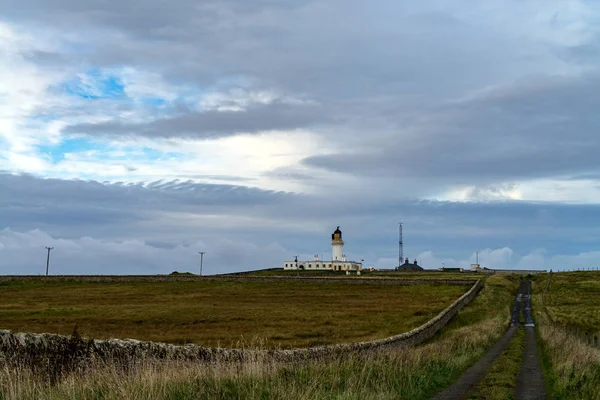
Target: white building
339,261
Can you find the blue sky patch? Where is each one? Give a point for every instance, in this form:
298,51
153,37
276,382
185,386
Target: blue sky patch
56,153
95,84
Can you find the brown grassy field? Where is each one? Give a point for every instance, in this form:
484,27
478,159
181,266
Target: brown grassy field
225,313
416,372
369,274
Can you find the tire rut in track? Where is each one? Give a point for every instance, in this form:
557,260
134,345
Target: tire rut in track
469,380
530,382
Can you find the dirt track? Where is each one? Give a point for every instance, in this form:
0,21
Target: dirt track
529,384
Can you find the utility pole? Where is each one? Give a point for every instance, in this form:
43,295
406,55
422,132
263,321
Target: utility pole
477,257
201,260
48,259
400,245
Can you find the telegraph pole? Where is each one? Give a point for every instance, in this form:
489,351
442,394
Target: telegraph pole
201,260
48,259
400,245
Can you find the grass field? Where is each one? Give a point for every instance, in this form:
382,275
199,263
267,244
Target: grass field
573,298
408,373
571,365
225,313
369,274
428,275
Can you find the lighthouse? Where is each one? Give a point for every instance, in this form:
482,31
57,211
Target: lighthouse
337,246
339,261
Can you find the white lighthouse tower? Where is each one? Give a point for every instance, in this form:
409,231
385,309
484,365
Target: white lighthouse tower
338,262
337,246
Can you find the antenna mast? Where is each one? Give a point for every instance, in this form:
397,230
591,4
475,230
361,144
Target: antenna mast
48,259
400,245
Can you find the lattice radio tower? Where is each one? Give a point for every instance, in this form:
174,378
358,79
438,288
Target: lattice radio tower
400,245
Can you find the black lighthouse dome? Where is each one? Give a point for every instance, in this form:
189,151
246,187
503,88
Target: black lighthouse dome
337,234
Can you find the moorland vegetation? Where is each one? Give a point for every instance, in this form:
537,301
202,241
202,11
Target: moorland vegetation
222,313
415,372
567,312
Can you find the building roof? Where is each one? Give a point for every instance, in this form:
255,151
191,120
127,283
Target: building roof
412,266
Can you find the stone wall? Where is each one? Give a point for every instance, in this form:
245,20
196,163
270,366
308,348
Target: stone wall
55,354
188,278
519,271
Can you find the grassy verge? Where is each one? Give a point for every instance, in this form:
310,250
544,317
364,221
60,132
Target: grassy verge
499,382
410,373
224,313
571,366
366,273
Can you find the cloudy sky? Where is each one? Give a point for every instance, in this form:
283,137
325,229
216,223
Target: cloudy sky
134,134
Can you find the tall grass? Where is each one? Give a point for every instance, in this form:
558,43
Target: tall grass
571,365
410,373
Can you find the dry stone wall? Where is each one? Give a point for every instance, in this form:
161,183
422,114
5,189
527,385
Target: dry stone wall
230,278
56,354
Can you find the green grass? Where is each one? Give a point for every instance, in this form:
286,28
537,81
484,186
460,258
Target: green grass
369,274
573,299
499,382
222,313
408,373
571,365
429,275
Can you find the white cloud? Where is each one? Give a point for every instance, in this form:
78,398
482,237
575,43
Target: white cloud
505,258
23,88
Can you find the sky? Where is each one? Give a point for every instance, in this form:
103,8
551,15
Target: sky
134,134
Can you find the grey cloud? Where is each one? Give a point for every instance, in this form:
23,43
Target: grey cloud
386,74
46,58
380,85
213,123
532,129
375,67
399,50
169,215
84,207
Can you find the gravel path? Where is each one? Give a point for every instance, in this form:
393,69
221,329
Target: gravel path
530,382
469,380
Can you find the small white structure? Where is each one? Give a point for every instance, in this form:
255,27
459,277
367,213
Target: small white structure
339,261
475,267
